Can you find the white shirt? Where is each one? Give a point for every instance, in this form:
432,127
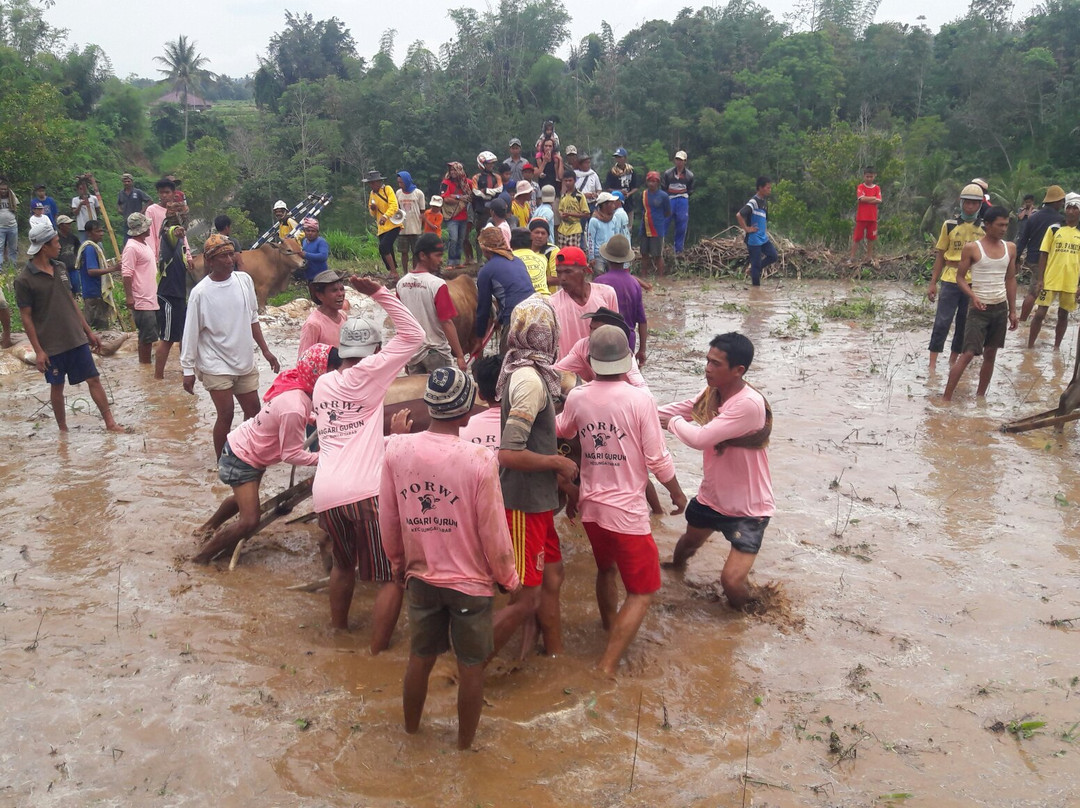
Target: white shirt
217,331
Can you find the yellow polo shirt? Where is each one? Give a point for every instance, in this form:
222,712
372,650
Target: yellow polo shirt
952,244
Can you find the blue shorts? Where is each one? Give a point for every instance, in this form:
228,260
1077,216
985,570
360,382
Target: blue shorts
744,532
77,365
234,471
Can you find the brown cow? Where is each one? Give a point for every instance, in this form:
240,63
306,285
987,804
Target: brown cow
463,292
270,267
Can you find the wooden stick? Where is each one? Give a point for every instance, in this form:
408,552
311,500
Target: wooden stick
310,586
275,507
1040,421
116,251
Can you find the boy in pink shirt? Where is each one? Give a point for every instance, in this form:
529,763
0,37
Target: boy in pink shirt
485,428
324,323
445,535
731,422
349,417
138,267
621,442
577,297
275,435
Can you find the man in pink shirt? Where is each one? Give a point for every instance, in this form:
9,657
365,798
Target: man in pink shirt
349,417
731,422
138,267
621,442
327,290
156,213
576,297
485,428
445,535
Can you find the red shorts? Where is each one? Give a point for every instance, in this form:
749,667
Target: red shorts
535,544
867,229
637,558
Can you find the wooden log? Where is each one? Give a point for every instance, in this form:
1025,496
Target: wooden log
310,586
1039,421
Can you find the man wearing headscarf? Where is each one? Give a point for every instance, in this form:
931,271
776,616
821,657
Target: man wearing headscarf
456,193
412,203
532,470
275,435
316,249
504,277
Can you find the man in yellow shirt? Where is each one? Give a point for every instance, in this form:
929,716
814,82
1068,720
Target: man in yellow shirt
573,209
536,263
285,223
1059,272
951,302
383,206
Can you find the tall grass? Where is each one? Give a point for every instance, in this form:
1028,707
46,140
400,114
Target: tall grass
348,247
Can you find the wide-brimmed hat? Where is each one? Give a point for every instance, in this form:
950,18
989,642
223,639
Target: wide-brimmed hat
41,233
1055,193
608,317
609,351
617,250
359,338
524,188
450,393
374,176
137,224
280,205
435,202
326,276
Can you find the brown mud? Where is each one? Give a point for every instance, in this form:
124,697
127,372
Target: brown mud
926,564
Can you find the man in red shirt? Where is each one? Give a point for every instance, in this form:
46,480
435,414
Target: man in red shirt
868,196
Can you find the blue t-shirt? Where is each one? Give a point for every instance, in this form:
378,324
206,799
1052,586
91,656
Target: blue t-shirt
659,211
756,214
91,286
508,281
51,210
317,253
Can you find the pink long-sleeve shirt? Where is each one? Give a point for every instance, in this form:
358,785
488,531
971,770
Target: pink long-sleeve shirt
349,414
320,328
568,313
621,442
736,482
276,434
577,361
441,514
484,429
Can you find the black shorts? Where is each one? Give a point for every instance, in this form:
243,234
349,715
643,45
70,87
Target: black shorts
146,323
234,471
170,318
77,365
744,532
386,241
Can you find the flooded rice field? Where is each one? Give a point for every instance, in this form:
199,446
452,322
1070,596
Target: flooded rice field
920,646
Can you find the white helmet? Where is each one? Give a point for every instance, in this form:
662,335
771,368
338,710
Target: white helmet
972,192
485,157
280,205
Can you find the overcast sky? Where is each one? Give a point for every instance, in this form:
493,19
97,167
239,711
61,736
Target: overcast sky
234,33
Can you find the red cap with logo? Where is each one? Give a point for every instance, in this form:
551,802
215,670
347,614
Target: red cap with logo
571,256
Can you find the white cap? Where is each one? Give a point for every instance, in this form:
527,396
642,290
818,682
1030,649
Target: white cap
680,155
359,338
41,233
280,205
604,196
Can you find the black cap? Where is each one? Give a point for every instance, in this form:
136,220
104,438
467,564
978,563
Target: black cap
498,205
428,243
608,317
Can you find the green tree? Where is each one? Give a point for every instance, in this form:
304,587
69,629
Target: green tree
23,28
210,178
184,69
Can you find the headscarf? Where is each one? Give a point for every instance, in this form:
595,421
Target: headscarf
311,365
707,406
406,178
493,240
456,171
532,341
217,243
310,221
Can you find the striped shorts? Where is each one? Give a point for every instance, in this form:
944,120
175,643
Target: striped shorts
354,530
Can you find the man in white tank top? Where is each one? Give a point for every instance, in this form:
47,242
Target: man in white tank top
992,291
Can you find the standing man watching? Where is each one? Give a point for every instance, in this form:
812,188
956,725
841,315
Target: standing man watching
678,182
427,298
992,290
1031,238
286,224
515,162
316,250
95,277
138,268
220,334
867,202
450,549
172,285
383,207
623,177
576,297
729,423
52,210
55,327
130,200
573,210
84,207
1058,273
753,219
156,213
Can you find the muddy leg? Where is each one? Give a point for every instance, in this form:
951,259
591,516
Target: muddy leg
414,692
734,578
549,614
223,406
688,544
624,630
97,393
59,407
1036,325
385,615
1061,327
161,358
607,595
955,372
145,351
514,613
1026,306
342,583
986,371
226,511
246,497
470,701
249,403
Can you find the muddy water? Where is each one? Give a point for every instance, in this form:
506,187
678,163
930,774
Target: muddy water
921,555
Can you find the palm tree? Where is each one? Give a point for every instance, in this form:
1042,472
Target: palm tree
184,68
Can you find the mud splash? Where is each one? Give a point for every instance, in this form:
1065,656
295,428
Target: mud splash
921,558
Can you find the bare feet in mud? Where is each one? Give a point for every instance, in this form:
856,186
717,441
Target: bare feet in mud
672,566
120,429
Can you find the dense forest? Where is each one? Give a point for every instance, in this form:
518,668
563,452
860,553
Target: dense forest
807,100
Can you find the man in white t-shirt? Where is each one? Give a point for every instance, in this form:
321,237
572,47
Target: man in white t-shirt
428,300
412,203
220,334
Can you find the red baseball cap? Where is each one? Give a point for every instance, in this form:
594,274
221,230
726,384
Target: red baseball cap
571,256
528,166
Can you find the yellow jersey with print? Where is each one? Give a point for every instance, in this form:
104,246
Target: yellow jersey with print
285,228
572,203
954,235
537,264
383,203
1062,247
